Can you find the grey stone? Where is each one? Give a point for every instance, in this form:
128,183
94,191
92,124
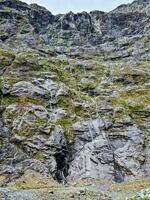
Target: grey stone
24,87
95,160
98,63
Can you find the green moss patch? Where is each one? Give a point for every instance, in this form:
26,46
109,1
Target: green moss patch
23,100
6,58
66,123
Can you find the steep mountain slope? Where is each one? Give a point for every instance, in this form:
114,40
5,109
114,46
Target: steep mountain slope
35,25
75,93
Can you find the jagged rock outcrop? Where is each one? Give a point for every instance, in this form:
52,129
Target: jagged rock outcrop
111,157
74,93
22,20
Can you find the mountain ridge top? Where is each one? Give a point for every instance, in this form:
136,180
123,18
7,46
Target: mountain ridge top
42,7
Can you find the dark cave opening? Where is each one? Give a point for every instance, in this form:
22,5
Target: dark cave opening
62,160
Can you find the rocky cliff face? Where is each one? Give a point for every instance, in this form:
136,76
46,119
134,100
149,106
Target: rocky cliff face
74,93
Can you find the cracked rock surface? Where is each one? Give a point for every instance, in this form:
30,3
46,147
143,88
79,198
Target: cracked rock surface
74,99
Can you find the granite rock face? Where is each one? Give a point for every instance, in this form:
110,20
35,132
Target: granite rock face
74,93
